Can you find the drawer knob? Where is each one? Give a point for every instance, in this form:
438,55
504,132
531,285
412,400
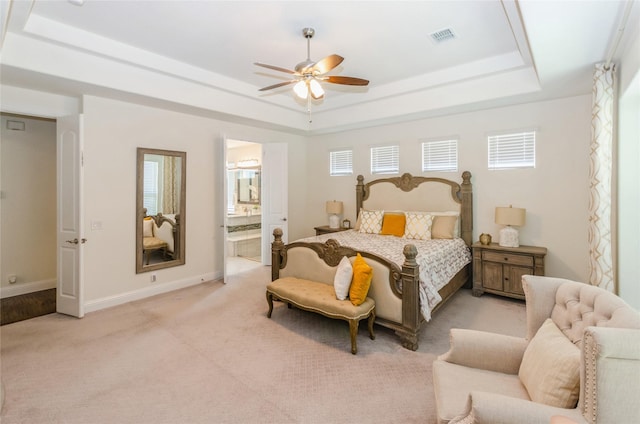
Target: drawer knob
506,259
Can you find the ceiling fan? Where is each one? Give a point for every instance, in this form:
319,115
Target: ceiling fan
308,74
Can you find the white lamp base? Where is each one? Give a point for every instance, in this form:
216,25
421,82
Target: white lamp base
334,221
509,237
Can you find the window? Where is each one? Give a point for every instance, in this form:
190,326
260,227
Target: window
150,198
440,155
516,150
385,160
341,162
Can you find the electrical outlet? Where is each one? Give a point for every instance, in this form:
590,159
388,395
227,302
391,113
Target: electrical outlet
153,278
12,278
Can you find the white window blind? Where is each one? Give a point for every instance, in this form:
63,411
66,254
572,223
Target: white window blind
150,187
385,160
341,162
516,150
440,155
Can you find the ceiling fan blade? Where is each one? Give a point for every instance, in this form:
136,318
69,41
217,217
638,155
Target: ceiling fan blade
346,80
281,84
328,63
275,68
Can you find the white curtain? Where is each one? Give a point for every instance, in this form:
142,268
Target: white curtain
600,175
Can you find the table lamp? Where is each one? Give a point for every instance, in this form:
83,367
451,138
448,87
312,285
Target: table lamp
334,208
508,217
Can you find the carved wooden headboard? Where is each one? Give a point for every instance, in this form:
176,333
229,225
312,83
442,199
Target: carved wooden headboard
409,193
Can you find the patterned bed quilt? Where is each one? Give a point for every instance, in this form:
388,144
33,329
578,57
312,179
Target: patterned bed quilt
439,260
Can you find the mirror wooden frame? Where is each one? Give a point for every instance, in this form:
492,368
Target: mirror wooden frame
140,211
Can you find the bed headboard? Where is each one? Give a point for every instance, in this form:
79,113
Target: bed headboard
409,193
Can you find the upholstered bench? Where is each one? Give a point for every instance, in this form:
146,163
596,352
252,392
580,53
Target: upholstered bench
321,298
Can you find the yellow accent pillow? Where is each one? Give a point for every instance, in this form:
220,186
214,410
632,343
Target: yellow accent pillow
443,227
362,274
393,224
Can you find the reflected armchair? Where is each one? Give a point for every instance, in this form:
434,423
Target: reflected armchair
486,378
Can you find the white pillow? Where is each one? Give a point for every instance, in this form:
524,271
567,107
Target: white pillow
147,228
418,226
550,368
371,221
342,280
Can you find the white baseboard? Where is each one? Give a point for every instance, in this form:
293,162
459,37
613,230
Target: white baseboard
25,288
107,302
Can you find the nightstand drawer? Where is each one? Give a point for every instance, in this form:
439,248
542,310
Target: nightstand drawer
507,258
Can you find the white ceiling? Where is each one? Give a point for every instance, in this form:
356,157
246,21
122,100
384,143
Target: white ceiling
198,56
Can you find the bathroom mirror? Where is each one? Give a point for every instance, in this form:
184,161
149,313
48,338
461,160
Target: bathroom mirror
160,209
248,186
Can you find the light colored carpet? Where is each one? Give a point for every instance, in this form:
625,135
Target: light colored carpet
209,354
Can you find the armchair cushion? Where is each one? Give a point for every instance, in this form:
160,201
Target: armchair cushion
550,368
454,382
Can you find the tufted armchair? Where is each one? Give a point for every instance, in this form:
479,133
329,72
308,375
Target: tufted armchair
494,378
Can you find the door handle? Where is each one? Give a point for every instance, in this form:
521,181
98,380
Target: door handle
284,219
76,241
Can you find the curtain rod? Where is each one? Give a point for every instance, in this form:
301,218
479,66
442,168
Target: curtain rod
621,28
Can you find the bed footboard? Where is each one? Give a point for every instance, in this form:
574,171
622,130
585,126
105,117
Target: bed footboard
402,287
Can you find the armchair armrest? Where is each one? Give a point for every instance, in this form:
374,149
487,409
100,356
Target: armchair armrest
483,350
610,377
491,408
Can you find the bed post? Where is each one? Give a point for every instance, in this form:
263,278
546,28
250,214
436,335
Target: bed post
410,299
276,254
359,195
466,194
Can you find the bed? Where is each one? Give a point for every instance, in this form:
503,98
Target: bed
413,277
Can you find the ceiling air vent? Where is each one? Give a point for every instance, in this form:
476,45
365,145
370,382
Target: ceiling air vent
442,35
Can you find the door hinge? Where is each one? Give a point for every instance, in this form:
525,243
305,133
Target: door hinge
81,158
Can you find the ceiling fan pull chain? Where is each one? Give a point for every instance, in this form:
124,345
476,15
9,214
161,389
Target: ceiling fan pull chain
309,107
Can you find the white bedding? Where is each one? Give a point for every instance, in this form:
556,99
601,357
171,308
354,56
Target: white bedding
439,260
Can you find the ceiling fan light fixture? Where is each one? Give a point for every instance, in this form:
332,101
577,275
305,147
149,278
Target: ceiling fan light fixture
316,89
301,89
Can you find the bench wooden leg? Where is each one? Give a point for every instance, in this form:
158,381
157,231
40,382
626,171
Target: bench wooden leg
372,318
353,331
270,302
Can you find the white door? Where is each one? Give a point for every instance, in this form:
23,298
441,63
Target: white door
69,293
223,211
275,188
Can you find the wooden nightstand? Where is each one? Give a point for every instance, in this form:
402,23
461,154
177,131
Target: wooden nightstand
324,229
499,270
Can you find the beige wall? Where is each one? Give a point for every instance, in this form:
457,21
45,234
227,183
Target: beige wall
112,132
555,193
28,215
628,272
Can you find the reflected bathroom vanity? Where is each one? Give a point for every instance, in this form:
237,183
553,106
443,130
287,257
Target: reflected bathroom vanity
244,215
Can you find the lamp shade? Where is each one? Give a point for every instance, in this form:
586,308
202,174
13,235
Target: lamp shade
510,216
334,207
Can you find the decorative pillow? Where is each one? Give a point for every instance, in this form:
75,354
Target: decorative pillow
418,226
443,227
147,227
362,275
456,229
393,224
342,280
371,221
550,368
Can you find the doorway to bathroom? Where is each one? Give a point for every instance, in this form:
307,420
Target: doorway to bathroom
243,221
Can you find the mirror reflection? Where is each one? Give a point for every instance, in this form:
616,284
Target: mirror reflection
248,189
160,207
